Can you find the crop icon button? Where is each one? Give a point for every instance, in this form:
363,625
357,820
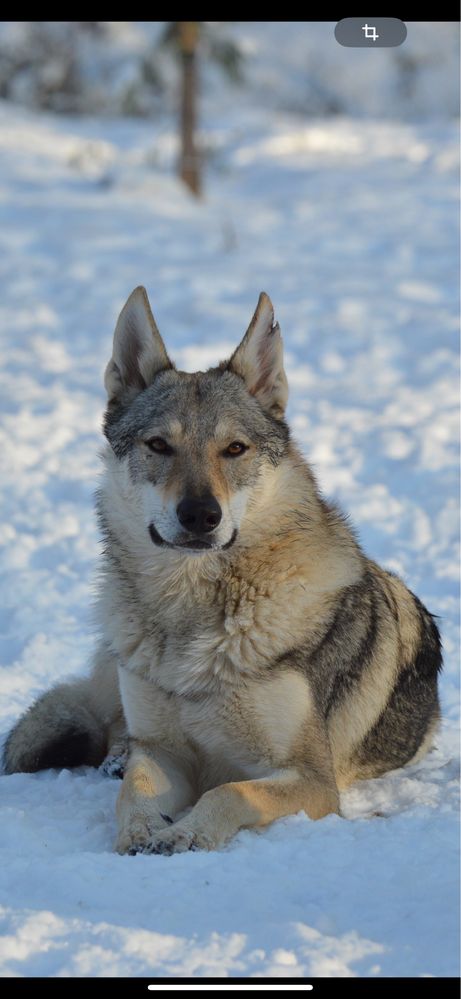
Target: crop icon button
370,32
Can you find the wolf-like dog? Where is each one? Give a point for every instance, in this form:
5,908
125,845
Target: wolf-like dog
252,658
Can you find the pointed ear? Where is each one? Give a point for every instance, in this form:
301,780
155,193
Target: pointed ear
259,359
138,351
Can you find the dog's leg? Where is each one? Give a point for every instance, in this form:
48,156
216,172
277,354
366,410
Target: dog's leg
156,786
221,812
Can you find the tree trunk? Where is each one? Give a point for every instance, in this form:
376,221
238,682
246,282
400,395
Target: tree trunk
189,161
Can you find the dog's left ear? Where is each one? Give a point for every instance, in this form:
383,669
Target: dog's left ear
259,359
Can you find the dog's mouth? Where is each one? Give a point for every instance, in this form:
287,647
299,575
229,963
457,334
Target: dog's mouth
191,544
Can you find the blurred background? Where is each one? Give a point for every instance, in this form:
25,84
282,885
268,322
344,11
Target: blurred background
138,68
129,67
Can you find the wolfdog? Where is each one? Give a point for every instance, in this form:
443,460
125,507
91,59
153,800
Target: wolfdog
252,659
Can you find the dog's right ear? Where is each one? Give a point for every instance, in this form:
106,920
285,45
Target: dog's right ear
138,353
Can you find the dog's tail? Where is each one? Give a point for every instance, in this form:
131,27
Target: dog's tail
72,724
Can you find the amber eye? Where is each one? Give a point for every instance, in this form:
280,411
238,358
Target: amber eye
235,449
159,446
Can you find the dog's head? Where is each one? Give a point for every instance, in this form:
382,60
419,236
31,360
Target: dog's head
195,445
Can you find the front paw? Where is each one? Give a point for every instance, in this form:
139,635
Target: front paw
137,835
178,839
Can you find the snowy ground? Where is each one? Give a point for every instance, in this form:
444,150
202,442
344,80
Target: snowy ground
352,229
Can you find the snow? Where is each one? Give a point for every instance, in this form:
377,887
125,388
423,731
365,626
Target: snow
351,226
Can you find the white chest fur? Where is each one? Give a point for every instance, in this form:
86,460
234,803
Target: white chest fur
245,732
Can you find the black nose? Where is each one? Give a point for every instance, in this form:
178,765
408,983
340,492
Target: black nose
199,515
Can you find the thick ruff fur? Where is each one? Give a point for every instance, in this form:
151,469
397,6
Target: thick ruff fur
256,659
